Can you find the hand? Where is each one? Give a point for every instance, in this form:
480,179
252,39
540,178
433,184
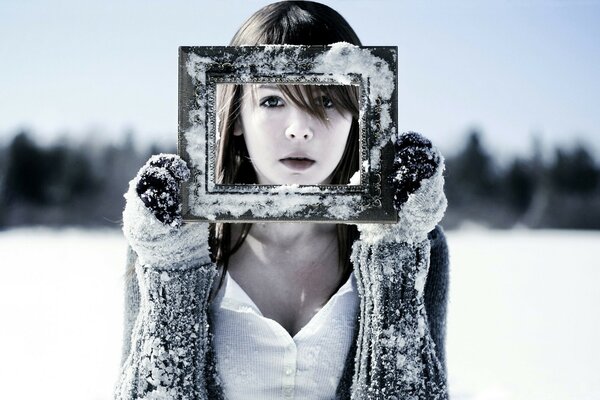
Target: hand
419,198
152,217
158,187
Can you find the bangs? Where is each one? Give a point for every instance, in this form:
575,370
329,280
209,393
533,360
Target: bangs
308,98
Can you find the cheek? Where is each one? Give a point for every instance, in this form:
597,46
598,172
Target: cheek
264,125
341,130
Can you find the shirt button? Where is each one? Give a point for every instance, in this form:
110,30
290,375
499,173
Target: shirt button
288,371
288,390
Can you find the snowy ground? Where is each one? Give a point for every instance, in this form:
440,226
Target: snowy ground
523,320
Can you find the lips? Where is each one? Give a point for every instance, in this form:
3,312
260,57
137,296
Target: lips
298,162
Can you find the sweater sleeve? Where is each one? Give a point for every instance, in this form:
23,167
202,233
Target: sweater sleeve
131,302
396,353
436,291
166,349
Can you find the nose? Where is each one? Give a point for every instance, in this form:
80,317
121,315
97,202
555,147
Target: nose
300,128
297,135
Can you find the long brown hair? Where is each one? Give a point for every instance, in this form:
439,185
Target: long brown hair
296,23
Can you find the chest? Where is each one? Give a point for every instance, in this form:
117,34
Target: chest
288,289
257,358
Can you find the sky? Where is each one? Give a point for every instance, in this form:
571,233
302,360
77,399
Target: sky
512,69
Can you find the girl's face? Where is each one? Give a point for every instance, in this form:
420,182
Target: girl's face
286,144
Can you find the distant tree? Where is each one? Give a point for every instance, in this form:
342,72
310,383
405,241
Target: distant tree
26,171
3,162
71,176
574,171
471,174
520,184
39,176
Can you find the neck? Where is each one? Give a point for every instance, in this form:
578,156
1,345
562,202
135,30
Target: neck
290,234
290,246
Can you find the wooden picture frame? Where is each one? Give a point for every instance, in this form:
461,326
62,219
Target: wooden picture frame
372,69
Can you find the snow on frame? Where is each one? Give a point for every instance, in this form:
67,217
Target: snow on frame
522,317
337,64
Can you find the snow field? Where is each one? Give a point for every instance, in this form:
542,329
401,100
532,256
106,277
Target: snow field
61,312
522,320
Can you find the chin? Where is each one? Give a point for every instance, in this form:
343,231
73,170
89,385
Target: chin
311,182
298,179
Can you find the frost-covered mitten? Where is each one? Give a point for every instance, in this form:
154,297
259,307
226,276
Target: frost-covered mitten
152,217
396,355
419,197
170,337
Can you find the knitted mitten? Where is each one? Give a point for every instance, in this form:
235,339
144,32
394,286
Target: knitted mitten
170,337
152,217
396,356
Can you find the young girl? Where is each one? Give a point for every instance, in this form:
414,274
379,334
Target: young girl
287,310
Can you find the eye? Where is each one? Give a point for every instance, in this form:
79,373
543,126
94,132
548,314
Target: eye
326,102
271,101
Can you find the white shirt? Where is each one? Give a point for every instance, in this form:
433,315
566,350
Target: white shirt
258,359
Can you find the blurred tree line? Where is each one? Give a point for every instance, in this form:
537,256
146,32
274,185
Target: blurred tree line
83,185
66,183
561,191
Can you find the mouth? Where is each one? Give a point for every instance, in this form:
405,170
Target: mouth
297,163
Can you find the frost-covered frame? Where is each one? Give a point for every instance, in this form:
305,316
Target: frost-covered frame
373,69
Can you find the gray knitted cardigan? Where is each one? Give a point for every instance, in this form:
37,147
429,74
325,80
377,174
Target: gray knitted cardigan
398,351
